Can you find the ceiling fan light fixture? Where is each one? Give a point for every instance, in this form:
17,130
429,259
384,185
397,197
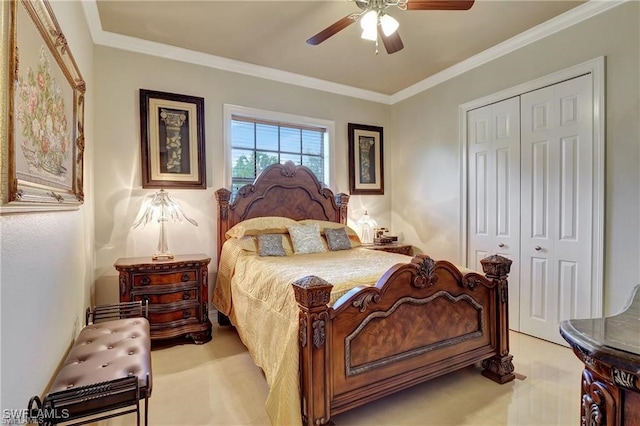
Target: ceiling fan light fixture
369,20
389,25
369,24
369,34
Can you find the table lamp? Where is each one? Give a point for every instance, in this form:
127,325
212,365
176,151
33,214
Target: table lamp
367,225
163,209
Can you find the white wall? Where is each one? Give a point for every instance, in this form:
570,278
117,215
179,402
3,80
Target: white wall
427,151
119,192
47,261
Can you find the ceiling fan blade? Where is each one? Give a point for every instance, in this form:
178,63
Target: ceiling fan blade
439,4
333,29
392,43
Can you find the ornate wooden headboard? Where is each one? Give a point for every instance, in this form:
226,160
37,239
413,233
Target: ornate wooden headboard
280,190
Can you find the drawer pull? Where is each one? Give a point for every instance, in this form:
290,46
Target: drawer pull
145,300
145,280
186,314
185,277
186,295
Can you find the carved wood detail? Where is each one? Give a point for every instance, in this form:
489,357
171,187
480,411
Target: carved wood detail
426,275
598,406
312,291
499,368
362,302
302,330
289,170
123,284
319,333
471,281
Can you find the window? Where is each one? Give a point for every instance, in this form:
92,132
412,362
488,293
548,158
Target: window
257,139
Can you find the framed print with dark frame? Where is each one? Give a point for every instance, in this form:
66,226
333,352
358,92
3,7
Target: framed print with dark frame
172,136
366,167
42,128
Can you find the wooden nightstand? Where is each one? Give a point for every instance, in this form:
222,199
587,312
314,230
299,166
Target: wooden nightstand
391,248
176,290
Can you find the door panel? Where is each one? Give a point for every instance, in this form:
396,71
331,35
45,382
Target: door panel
556,206
537,296
493,135
539,172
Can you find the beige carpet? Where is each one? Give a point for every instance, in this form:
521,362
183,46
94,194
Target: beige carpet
218,384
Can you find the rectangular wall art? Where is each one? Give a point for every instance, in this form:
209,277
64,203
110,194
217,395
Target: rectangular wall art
43,134
172,136
366,171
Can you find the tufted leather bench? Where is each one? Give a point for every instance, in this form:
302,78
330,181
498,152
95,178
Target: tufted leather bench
108,369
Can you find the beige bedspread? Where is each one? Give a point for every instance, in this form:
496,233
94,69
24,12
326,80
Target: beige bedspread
256,293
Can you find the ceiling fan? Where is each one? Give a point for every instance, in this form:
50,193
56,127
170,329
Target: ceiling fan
375,21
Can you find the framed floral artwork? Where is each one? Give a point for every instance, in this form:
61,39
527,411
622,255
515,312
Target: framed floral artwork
172,136
43,135
366,171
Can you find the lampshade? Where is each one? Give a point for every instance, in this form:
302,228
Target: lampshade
369,34
367,225
162,208
389,24
369,25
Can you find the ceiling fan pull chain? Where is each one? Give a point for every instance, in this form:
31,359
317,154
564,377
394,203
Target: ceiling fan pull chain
376,46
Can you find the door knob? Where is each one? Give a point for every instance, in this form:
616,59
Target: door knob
537,248
501,245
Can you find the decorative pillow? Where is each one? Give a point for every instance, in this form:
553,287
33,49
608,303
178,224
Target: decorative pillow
337,239
306,239
325,224
270,245
260,225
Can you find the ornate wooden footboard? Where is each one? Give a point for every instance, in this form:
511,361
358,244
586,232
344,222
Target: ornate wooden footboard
421,320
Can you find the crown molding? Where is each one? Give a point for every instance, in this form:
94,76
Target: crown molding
133,44
552,26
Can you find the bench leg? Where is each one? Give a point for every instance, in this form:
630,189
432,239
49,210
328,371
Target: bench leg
146,411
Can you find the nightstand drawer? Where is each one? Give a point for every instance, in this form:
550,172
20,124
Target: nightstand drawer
161,315
159,278
154,299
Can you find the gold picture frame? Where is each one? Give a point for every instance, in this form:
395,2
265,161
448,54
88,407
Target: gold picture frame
366,165
43,130
172,137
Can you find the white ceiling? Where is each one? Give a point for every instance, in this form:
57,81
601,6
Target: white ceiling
267,38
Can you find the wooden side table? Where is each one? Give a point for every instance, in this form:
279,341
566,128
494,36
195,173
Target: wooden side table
391,248
176,291
610,350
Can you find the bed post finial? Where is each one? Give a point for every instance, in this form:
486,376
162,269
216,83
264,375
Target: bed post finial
499,368
312,294
342,200
223,196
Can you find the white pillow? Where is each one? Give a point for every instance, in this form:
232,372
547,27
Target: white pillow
306,239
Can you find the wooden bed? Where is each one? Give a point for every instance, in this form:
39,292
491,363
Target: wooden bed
421,320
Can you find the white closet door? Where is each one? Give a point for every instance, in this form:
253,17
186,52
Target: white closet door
494,190
556,241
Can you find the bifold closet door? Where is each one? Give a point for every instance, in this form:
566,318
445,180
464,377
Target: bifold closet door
494,190
556,197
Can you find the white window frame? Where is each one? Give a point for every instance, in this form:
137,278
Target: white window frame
230,110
